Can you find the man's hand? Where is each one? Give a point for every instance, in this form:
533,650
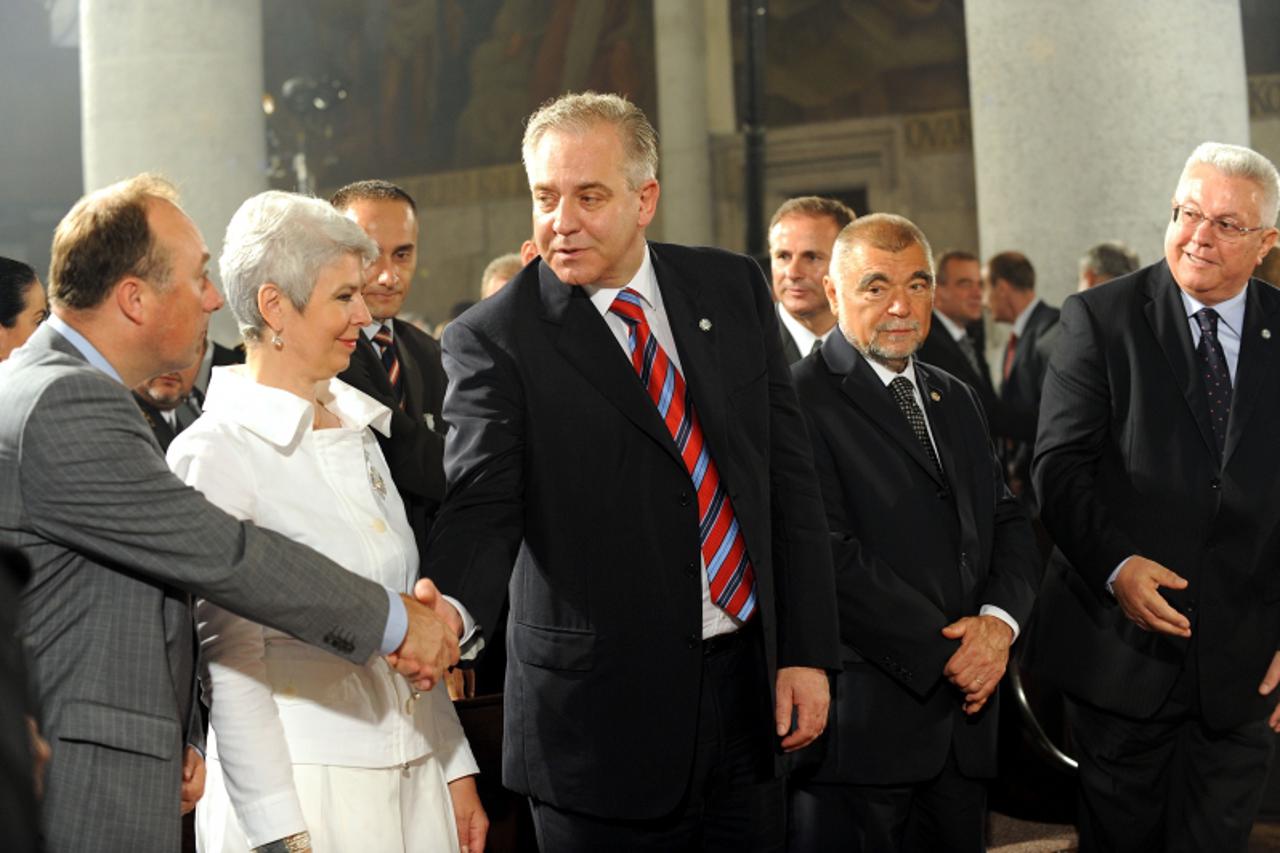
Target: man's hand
426,592
192,779
1136,588
978,665
430,644
808,691
473,823
1269,682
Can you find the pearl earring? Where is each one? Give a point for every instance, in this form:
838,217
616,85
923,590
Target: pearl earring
276,340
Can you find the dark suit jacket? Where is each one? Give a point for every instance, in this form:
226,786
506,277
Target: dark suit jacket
912,554
564,480
415,448
19,811
790,350
1020,393
1126,464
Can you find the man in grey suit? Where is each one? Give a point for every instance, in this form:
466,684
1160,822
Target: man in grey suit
118,545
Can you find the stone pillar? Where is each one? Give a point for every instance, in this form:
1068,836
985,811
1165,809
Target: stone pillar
680,36
176,88
1083,114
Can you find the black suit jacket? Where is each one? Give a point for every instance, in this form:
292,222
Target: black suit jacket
19,811
790,350
415,448
912,554
564,482
941,350
1126,464
1020,394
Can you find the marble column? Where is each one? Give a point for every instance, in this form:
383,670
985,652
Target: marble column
1083,114
176,88
685,76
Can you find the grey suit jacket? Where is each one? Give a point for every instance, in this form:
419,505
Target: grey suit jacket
118,545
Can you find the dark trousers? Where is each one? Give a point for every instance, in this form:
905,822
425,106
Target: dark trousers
1169,782
733,802
943,814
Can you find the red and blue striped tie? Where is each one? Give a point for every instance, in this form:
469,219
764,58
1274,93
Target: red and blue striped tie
724,551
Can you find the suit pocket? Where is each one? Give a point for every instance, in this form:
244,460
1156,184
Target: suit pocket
120,728
554,648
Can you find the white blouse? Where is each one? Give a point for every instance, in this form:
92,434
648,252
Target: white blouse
274,700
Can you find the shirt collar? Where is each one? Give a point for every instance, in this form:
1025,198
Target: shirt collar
1020,324
886,375
82,345
644,282
803,337
954,329
281,417
1230,312
372,329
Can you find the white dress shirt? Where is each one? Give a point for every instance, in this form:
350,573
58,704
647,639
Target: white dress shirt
886,376
277,701
804,338
714,620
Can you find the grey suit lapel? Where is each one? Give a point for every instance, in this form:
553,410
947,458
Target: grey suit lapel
1168,320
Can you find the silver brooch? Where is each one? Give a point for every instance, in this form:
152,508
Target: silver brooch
375,479
704,324
1266,334
935,396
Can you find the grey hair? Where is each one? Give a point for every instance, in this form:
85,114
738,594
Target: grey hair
887,232
1111,259
578,112
1240,162
285,239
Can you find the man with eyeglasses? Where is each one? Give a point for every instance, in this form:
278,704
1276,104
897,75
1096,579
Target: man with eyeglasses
1156,466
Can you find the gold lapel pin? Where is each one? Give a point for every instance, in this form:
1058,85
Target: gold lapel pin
704,324
935,396
1266,334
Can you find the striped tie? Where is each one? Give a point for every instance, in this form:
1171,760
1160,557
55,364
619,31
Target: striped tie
724,551
382,338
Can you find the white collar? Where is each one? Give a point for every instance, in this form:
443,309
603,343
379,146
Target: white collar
280,416
1020,324
1230,312
800,334
644,282
886,375
374,327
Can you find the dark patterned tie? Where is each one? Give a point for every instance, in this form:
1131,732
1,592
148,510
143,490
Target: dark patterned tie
382,338
817,345
1217,378
906,399
730,575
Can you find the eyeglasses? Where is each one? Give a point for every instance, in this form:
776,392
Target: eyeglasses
1224,229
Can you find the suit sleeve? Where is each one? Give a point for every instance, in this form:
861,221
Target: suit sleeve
882,617
1075,414
808,628
94,481
242,711
477,534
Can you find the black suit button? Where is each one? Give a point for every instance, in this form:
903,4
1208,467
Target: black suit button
942,494
1215,484
692,641
1190,608
684,499
691,568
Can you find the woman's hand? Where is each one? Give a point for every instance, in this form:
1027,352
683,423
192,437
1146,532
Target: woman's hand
473,823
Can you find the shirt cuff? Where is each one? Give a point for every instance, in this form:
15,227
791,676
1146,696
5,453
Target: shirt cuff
1001,614
1111,578
397,624
472,640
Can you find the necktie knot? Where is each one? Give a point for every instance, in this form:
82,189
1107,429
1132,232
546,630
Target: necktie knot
629,306
382,337
1208,320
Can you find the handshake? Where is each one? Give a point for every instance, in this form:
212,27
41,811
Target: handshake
430,646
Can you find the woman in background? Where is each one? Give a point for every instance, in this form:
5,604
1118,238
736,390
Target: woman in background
308,751
22,305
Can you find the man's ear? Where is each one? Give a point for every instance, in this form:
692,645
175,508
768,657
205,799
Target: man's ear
133,296
649,192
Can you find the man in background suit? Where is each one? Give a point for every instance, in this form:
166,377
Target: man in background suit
801,234
395,362
672,605
1009,284
168,401
118,544
1156,467
935,563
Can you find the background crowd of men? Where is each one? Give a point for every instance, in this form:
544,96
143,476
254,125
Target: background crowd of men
751,561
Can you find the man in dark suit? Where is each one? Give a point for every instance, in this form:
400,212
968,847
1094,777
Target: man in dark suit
20,770
168,401
1009,283
801,235
1156,467
935,563
119,545
672,604
395,362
